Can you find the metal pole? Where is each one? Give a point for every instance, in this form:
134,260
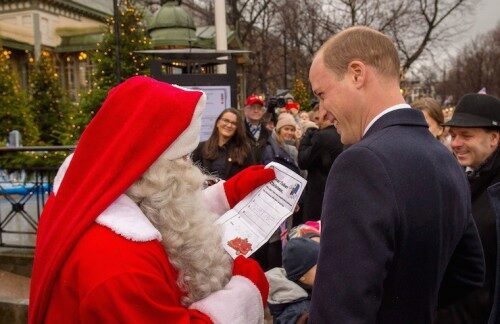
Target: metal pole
116,15
37,35
220,31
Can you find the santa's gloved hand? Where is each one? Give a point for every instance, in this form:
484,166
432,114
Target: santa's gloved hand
250,269
245,181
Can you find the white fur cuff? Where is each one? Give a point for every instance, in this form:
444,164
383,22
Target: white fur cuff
238,302
215,198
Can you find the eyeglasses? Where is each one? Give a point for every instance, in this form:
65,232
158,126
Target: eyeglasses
254,107
228,122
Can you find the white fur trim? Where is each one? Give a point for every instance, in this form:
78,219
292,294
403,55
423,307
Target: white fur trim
123,216
215,198
238,302
61,172
189,139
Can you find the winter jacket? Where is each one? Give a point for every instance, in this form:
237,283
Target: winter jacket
274,152
259,144
287,301
317,151
475,307
223,167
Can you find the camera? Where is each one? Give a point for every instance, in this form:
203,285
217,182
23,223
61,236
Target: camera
274,102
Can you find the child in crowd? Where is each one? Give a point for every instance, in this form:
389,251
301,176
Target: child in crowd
291,286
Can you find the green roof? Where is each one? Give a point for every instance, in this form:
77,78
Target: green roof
10,43
104,6
171,15
171,25
76,43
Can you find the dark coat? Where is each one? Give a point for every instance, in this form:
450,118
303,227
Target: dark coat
289,313
396,223
494,194
317,151
273,152
258,145
223,166
476,306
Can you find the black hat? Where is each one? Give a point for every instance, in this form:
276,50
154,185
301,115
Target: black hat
300,255
476,110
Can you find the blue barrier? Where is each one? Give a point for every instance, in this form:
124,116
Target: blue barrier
23,189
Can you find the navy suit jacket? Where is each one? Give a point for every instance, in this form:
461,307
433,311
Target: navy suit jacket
396,225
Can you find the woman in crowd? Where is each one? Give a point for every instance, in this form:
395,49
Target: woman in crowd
281,146
227,150
281,149
434,116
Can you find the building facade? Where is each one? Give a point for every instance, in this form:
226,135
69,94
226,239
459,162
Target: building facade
71,29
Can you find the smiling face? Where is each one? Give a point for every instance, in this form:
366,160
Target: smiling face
254,113
287,133
337,100
226,125
472,146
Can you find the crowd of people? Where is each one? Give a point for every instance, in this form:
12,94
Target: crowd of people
397,223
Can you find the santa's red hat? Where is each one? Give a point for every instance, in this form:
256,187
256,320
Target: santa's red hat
141,119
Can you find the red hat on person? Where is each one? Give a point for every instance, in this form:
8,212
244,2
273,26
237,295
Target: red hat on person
292,105
140,120
254,100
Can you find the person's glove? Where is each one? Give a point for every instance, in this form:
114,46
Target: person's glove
250,269
245,181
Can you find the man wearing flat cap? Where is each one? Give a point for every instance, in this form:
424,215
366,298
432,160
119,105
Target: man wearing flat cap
475,133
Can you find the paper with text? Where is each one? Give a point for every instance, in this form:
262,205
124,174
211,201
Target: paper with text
254,219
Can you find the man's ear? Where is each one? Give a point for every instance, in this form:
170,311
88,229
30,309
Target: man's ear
357,72
495,138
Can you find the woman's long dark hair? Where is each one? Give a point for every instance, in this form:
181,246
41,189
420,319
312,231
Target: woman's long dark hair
239,147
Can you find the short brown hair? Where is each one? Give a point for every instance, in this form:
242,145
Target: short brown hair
432,107
364,44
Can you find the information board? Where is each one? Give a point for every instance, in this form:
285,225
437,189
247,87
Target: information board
218,99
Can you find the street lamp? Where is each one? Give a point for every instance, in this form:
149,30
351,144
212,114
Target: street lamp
116,15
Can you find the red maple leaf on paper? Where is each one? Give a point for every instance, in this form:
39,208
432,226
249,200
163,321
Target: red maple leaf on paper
240,245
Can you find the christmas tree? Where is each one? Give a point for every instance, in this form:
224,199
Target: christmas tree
301,95
51,108
133,37
15,112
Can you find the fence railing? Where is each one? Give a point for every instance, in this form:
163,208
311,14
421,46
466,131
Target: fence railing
23,193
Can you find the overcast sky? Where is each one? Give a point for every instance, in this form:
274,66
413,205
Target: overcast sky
486,17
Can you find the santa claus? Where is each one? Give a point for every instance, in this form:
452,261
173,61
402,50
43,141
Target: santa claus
129,236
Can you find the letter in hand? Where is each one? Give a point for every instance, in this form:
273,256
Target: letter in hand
250,269
244,182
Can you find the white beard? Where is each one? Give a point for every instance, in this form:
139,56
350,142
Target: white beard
170,195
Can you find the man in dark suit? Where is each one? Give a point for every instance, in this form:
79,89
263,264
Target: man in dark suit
396,218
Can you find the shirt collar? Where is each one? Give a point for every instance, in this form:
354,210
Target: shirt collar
385,111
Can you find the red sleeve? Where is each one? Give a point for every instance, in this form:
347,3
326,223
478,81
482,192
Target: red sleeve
134,297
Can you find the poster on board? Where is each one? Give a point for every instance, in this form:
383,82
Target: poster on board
218,99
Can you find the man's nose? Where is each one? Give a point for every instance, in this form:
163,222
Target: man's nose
322,111
456,142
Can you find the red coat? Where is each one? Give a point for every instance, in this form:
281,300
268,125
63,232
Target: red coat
120,272
108,278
